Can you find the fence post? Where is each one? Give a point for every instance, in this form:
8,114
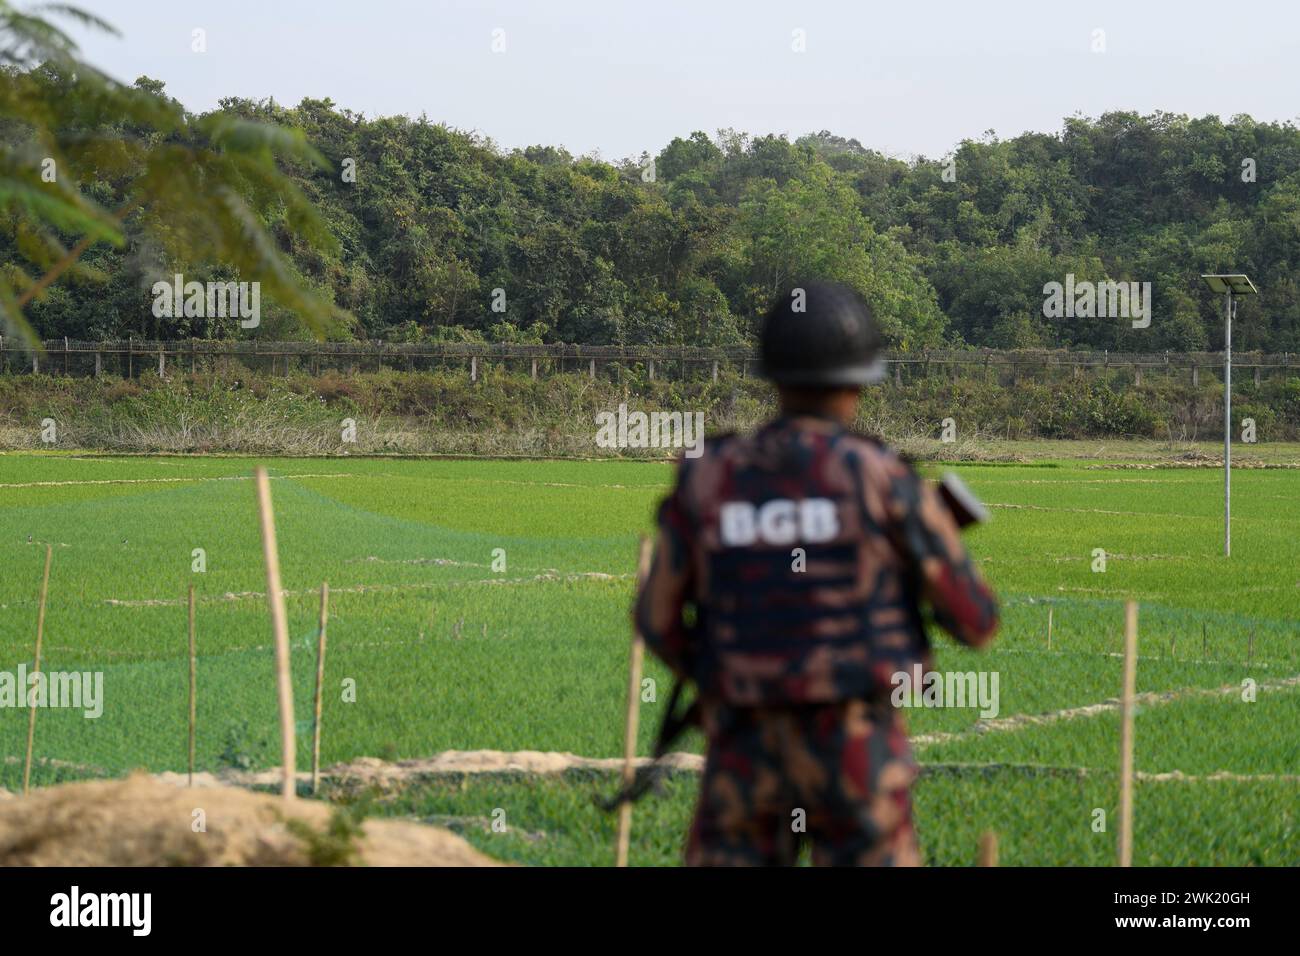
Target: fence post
652,370
1196,376
715,370
1126,734
473,368
534,369
99,364
593,370
162,363
65,357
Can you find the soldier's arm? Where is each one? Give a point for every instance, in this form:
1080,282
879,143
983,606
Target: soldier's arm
662,600
963,604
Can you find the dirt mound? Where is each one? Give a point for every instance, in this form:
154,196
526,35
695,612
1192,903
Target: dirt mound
141,821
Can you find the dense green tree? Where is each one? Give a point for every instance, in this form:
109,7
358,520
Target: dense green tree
399,228
86,157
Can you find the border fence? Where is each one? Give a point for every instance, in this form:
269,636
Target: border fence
131,358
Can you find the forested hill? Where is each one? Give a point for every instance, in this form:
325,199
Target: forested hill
951,250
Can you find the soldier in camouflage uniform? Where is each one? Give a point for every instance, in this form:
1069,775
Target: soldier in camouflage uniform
788,583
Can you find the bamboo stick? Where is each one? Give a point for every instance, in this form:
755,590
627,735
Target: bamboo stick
1126,736
320,684
193,686
280,625
40,633
988,848
633,712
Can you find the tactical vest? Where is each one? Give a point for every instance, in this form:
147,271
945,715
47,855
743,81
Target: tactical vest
801,593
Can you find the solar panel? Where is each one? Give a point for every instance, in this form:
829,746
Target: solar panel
1235,283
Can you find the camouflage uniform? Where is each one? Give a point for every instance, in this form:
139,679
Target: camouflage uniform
788,582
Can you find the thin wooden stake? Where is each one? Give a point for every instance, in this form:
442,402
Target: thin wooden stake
320,684
988,848
1250,648
1205,644
1126,736
280,625
633,712
40,633
193,682
1049,628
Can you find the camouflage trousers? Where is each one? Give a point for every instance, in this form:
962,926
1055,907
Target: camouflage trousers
835,776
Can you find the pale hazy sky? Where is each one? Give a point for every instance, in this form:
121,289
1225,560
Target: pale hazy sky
622,77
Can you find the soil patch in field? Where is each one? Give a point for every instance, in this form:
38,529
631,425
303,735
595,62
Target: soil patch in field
143,821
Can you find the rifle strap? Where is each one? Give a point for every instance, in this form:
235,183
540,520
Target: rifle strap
672,727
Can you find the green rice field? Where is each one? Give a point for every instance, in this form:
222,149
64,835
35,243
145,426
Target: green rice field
447,652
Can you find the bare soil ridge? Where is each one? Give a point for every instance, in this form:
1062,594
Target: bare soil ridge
143,821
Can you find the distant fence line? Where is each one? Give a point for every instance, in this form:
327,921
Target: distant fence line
132,358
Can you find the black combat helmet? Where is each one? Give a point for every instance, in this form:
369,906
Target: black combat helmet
821,334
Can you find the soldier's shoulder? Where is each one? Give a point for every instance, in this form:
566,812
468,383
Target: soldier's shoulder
713,445
867,445
872,454
709,448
